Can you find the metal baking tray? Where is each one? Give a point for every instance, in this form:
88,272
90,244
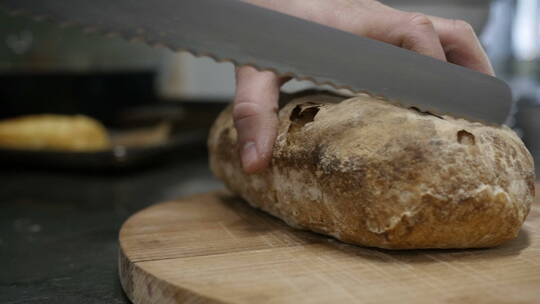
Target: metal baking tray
140,137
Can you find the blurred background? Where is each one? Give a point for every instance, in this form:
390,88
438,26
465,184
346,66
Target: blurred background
139,137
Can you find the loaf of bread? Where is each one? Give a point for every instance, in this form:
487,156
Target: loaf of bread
372,173
77,133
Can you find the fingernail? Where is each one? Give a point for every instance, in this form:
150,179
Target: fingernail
249,154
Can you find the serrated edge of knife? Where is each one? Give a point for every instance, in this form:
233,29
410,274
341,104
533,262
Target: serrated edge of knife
156,44
64,24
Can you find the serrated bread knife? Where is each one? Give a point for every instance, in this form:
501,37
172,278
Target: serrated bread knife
230,30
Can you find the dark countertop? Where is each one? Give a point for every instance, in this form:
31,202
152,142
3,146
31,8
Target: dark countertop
59,230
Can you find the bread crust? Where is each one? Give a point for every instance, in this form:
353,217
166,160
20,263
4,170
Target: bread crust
372,173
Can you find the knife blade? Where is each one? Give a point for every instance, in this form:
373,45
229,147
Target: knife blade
245,34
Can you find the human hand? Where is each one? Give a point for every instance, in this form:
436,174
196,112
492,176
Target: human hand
257,93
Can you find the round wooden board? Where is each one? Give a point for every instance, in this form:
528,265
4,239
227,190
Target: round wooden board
214,248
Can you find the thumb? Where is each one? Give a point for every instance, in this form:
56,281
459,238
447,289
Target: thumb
254,115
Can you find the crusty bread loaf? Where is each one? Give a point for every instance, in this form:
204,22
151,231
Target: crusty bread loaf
372,173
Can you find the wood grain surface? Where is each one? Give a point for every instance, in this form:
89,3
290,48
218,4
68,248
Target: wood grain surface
214,248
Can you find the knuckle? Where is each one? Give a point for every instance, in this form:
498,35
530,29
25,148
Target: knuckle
420,20
463,26
245,109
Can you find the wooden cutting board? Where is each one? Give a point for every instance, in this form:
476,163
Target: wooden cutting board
213,248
